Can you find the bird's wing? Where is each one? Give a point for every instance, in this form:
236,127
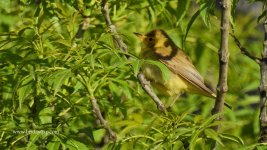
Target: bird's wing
182,65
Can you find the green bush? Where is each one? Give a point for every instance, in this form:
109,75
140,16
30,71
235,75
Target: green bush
58,55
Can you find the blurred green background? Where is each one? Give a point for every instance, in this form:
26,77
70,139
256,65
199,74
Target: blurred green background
49,73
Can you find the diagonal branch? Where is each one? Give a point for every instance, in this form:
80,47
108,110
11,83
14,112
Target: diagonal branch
245,51
123,47
118,41
97,112
147,87
103,122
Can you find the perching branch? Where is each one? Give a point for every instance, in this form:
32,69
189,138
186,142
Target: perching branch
103,122
147,87
123,47
245,51
223,59
263,87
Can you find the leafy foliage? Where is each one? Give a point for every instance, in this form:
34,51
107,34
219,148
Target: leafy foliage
56,55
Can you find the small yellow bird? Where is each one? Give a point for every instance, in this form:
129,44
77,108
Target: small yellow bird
184,77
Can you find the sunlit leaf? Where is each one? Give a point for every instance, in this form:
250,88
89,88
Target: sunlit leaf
45,116
53,145
99,134
58,78
164,70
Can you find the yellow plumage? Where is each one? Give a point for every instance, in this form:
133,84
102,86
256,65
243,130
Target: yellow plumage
183,75
173,86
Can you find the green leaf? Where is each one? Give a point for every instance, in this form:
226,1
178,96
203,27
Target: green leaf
181,131
25,89
53,145
63,42
98,135
164,70
209,120
136,66
182,8
232,138
195,136
127,92
138,118
45,116
210,133
33,138
140,136
207,9
75,145
114,88
131,126
24,29
58,78
178,145
190,23
261,147
38,11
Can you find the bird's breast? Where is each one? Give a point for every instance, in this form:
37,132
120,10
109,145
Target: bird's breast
172,86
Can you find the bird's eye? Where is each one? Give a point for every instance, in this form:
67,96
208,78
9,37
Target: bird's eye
150,39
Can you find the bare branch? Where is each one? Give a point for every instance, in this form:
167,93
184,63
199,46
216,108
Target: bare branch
103,122
245,51
123,47
118,41
263,81
263,87
147,87
223,59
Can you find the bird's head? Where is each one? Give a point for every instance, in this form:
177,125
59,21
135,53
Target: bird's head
154,38
155,42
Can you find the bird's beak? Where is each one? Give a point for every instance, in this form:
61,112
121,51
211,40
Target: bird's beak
139,35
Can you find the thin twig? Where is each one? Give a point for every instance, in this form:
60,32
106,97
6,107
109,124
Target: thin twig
223,60
97,112
123,47
83,27
263,87
245,51
263,81
103,122
118,41
147,87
